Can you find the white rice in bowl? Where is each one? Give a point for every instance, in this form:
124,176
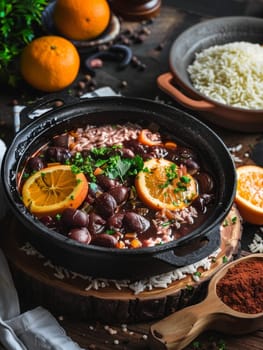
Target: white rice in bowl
231,74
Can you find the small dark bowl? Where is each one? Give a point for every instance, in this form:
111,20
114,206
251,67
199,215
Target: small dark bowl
201,36
111,262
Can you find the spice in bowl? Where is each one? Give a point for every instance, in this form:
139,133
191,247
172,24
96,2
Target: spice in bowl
241,288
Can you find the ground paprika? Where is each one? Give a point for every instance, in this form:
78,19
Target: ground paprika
241,288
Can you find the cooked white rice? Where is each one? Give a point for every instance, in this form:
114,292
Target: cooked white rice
231,74
158,281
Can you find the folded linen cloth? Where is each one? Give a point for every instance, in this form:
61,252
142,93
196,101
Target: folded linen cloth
36,329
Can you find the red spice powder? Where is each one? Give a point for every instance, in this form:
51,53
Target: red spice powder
242,287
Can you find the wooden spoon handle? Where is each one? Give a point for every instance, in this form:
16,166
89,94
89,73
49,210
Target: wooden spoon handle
179,329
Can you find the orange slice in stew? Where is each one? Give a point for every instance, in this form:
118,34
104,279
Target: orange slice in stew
146,137
249,194
51,190
163,185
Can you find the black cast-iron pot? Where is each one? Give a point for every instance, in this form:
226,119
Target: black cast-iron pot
110,262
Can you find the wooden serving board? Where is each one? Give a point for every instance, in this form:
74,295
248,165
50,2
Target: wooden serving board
39,284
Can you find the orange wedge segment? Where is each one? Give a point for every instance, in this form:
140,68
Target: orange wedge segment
146,137
162,185
53,189
249,193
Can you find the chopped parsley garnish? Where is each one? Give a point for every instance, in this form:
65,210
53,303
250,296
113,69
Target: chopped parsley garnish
167,223
58,217
197,274
225,223
26,175
225,259
110,232
114,166
234,219
185,179
171,174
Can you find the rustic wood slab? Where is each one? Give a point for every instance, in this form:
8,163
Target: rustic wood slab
40,283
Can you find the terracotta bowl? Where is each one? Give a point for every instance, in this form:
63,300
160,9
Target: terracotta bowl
195,39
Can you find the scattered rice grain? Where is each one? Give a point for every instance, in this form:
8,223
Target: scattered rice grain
257,244
159,281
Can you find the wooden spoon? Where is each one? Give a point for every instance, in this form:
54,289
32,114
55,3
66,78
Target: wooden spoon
176,331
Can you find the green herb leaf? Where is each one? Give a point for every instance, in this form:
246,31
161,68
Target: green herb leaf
225,259
19,21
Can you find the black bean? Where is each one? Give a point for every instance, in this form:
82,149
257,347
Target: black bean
199,204
35,164
136,147
81,235
57,154
205,182
104,240
181,154
48,221
115,221
192,166
61,140
96,224
105,182
105,205
134,222
119,193
127,153
209,198
75,217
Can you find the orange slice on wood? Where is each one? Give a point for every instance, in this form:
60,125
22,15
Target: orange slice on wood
51,190
164,185
249,194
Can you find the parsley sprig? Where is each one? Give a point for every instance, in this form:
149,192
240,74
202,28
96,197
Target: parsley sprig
18,22
112,164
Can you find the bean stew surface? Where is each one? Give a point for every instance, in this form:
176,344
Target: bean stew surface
144,189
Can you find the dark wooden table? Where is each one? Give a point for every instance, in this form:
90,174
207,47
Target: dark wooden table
153,52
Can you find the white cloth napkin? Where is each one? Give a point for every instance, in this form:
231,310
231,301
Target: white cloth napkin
35,329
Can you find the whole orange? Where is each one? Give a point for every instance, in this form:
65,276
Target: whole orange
50,63
81,19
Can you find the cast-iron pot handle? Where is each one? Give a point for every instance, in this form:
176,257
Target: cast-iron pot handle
45,101
171,258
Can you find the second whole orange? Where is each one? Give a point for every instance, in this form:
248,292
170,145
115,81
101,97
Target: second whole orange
81,19
50,63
